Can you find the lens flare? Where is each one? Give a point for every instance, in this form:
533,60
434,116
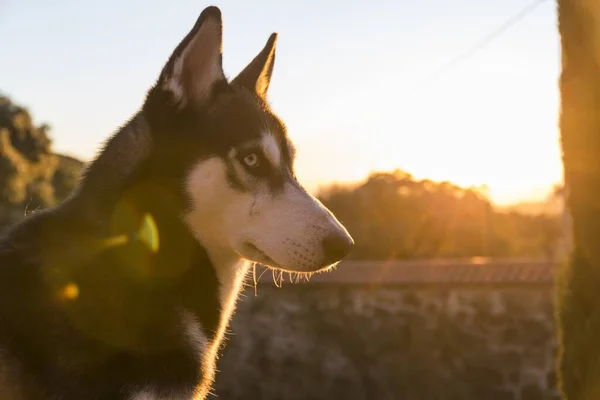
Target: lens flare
147,234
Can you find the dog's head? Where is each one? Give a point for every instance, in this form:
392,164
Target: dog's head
243,197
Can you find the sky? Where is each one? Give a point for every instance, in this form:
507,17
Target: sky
347,81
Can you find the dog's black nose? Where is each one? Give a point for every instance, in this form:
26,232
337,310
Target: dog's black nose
337,246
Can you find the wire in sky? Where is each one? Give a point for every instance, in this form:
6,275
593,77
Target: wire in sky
480,45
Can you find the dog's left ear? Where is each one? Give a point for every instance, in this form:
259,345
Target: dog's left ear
196,64
256,77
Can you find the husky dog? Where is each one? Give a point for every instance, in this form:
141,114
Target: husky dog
124,290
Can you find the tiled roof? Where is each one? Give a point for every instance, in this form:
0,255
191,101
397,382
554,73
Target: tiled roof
474,271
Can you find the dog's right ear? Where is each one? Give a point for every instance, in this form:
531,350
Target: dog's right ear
256,77
196,64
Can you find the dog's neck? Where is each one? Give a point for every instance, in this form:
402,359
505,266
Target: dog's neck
231,279
204,280
230,270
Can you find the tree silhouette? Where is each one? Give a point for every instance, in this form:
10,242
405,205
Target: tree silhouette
31,176
394,216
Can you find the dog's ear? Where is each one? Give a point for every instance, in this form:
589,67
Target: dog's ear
196,64
256,77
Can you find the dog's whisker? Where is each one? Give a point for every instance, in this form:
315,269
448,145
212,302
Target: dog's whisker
274,273
254,277
264,272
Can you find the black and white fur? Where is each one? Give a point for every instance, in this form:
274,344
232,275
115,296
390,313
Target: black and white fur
212,164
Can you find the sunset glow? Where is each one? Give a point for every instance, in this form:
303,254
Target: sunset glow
490,120
458,132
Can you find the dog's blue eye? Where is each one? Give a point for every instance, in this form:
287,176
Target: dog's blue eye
252,160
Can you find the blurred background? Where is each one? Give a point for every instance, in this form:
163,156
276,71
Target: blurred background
428,127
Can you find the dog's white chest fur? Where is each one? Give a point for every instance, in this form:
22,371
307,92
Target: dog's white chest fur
149,395
231,277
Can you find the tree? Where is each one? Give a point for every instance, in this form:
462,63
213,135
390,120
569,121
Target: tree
578,295
31,175
391,215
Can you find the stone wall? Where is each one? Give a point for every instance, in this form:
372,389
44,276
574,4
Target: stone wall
381,341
